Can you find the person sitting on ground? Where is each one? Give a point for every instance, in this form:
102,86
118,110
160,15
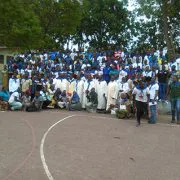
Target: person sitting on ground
50,95
46,100
92,97
14,100
74,103
36,104
62,101
4,97
26,100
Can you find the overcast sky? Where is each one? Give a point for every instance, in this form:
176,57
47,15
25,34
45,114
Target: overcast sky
131,5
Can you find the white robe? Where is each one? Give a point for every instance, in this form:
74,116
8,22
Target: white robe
14,84
62,84
123,87
95,82
147,74
80,89
101,91
122,74
88,87
112,93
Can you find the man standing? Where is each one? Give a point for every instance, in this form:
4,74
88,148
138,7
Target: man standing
112,93
26,84
141,97
174,91
163,76
101,92
153,89
5,77
79,87
14,84
88,85
62,82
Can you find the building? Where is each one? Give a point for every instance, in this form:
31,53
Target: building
5,54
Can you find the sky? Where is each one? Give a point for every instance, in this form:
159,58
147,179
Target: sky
130,6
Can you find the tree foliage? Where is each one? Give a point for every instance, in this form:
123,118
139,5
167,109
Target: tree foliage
160,27
104,22
58,19
19,25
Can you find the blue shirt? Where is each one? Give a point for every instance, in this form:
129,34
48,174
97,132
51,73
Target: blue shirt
5,95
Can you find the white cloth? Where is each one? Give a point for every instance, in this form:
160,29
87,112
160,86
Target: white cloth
62,84
14,84
72,55
147,74
141,95
122,74
79,89
135,65
87,86
102,93
96,83
12,97
123,87
152,89
112,93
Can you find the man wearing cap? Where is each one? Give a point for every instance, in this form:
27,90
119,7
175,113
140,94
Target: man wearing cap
101,92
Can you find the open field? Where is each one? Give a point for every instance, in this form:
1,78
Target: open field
61,145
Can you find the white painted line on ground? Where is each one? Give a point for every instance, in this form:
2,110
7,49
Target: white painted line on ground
116,119
45,166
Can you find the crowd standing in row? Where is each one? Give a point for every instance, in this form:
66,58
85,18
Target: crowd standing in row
96,81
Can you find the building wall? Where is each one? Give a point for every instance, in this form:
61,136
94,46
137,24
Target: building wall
4,54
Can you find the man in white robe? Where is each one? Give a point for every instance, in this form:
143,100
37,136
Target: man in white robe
123,85
122,73
101,92
112,93
14,84
79,88
62,83
88,85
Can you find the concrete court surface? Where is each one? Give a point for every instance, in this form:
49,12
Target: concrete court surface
86,147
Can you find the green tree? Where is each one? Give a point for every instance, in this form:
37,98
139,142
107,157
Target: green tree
161,26
58,19
103,22
19,25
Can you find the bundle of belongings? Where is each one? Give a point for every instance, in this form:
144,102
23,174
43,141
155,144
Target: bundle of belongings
4,97
124,110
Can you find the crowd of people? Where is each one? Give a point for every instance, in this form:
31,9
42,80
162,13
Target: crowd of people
98,80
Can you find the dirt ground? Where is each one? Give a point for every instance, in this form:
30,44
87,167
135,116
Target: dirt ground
83,146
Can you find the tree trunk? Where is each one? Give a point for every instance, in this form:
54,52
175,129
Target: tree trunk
167,31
